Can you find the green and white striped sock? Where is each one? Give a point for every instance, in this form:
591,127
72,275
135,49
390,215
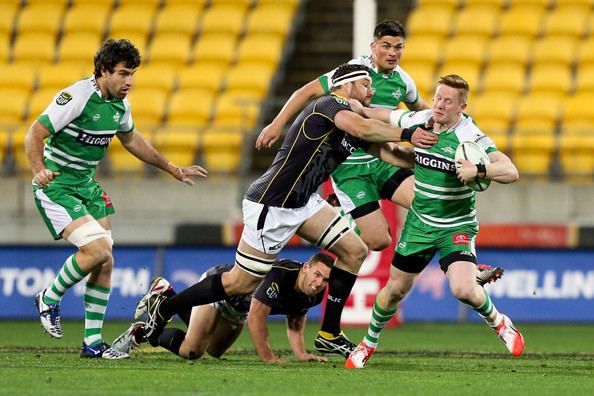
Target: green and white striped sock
96,299
489,312
379,318
69,275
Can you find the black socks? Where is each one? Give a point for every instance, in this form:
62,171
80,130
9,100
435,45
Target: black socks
339,287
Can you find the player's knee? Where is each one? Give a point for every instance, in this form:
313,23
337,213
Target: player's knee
99,252
467,293
376,242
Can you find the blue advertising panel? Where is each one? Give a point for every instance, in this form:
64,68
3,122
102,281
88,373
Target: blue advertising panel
538,285
24,271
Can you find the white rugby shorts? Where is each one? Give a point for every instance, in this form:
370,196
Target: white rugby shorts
269,229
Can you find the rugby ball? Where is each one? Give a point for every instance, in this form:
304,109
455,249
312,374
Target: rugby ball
474,153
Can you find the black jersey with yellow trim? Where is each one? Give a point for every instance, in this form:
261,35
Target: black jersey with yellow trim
311,151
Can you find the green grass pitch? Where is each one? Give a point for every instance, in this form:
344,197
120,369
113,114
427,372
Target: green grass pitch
414,359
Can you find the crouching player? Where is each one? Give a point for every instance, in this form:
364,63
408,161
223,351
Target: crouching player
290,289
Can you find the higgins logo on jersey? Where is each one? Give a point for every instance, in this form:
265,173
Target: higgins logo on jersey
94,140
435,162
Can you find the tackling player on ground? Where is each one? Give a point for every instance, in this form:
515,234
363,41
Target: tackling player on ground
290,288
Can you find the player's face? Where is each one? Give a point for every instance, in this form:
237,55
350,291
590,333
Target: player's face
447,105
315,279
362,91
119,82
386,52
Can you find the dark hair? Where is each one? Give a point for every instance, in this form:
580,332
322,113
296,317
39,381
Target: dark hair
389,28
323,258
113,52
347,68
457,82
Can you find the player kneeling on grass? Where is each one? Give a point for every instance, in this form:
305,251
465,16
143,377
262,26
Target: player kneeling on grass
290,288
443,216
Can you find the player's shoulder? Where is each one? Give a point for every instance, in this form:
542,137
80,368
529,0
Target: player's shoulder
467,129
364,60
80,91
407,118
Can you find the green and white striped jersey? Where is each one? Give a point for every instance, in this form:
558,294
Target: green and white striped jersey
390,90
441,200
82,124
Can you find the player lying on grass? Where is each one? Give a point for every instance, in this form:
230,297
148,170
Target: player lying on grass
290,289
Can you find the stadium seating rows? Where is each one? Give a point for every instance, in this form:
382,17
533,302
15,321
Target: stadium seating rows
530,66
207,67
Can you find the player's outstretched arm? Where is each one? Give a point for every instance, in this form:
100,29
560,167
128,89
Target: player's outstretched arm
34,149
256,320
395,154
295,329
377,131
136,144
297,101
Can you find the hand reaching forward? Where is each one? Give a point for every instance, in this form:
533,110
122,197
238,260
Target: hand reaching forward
269,135
183,173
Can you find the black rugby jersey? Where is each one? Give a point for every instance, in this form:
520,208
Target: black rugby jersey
278,290
312,149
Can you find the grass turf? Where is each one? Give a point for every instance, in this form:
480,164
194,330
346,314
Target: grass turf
415,359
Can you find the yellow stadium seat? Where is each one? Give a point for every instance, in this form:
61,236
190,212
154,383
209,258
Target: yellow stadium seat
550,79
584,6
148,106
566,22
216,47
501,139
170,49
509,50
180,19
537,114
86,19
131,20
576,154
465,49
236,110
539,5
40,18
58,76
270,19
250,76
121,160
13,111
497,4
221,149
577,114
17,144
423,75
452,4
34,48
521,21
4,47
15,76
586,53
585,79
476,22
503,78
470,72
564,52
186,3
237,3
155,77
7,19
56,3
434,21
202,76
223,19
190,107
141,3
260,48
177,145
492,112
423,49
78,48
532,154
39,102
4,140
